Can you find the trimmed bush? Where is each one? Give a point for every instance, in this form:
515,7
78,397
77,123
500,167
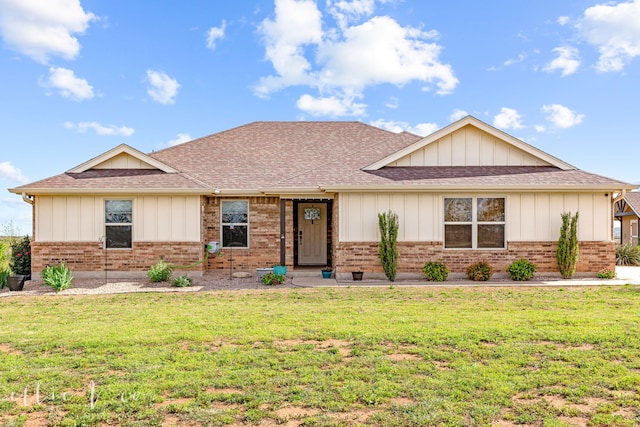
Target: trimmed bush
480,271
627,255
161,272
182,281
57,276
606,273
435,271
521,269
272,279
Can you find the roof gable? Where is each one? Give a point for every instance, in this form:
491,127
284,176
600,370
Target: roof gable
633,201
469,142
123,157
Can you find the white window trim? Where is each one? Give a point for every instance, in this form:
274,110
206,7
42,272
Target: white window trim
474,221
235,223
105,224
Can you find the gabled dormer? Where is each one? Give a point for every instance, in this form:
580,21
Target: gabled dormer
122,157
469,142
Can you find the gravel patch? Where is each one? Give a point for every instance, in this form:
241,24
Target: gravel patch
211,281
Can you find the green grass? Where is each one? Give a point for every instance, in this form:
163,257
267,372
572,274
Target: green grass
325,357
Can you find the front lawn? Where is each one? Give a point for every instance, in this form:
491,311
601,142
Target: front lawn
324,357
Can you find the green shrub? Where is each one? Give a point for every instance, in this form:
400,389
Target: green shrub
4,275
388,248
567,253
4,263
480,271
182,281
58,276
627,255
521,269
435,271
161,272
606,273
272,279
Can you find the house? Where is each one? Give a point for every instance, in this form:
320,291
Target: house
627,211
308,194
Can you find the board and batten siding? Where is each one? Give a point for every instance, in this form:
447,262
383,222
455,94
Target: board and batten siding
124,161
81,218
469,146
529,216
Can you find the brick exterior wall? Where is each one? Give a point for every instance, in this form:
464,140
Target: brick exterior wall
264,250
353,256
264,234
87,256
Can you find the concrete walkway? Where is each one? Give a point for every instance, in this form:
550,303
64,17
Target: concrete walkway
625,276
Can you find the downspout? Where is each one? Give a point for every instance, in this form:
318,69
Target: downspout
28,199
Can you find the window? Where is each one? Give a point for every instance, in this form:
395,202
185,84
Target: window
235,223
118,216
471,223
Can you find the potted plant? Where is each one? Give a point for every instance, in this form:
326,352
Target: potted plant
20,265
21,258
280,269
326,272
263,271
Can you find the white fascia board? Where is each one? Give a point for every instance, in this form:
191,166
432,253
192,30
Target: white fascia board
470,120
122,148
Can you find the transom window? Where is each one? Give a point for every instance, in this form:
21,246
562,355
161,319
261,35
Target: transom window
474,222
118,217
235,223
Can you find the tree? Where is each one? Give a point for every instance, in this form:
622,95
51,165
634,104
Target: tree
567,255
388,225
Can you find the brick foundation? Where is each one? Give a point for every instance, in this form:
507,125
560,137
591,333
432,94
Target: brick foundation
352,256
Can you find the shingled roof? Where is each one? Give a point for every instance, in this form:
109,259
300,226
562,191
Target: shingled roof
308,158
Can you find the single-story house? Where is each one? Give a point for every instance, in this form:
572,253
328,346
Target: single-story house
627,211
309,193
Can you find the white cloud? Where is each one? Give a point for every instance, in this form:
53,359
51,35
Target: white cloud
68,84
11,173
561,116
348,58
345,12
567,61
563,20
421,129
214,34
508,119
41,29
181,138
392,103
331,106
614,30
162,89
457,114
99,129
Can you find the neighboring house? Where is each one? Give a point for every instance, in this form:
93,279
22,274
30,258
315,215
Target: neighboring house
309,194
627,211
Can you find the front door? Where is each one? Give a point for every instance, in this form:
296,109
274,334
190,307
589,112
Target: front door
312,234
634,232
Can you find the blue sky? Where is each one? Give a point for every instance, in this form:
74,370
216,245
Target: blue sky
79,77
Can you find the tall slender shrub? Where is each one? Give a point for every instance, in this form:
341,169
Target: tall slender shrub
388,224
567,255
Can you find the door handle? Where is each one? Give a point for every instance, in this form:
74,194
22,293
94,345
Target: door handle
300,238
